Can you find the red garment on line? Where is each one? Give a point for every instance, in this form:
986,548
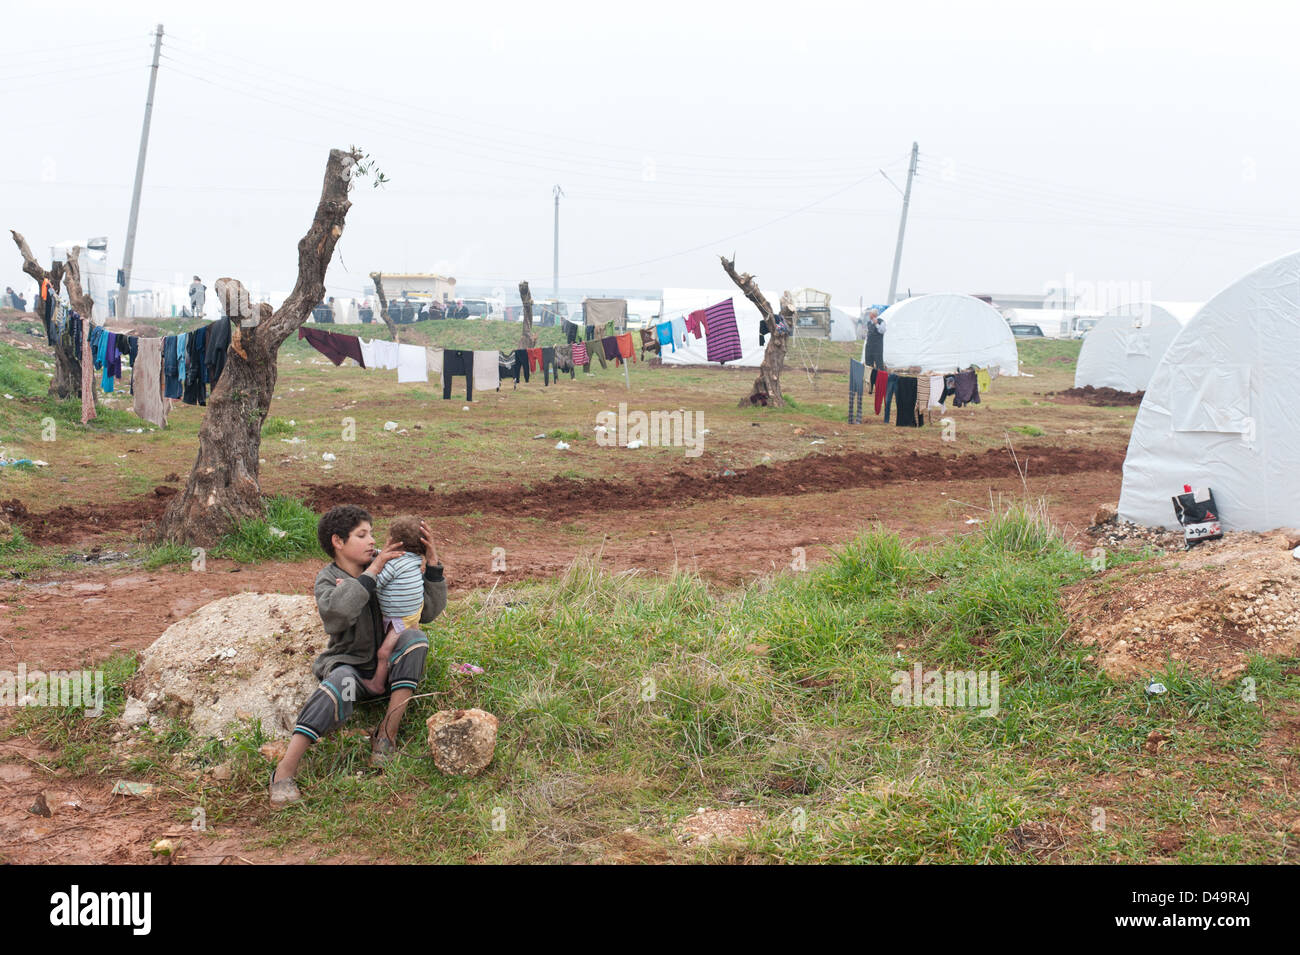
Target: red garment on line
882,382
534,359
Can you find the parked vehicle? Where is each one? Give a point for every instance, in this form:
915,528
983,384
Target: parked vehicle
1027,331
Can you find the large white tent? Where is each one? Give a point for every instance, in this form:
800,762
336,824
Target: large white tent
945,332
1217,413
1123,349
682,301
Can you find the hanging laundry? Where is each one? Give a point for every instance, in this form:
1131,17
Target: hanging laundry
982,379
412,365
570,331
433,361
112,361
132,348
922,398
580,356
379,354
337,348
192,391
905,400
679,330
457,361
219,343
763,329
564,359
171,369
891,394
695,323
149,403
602,312
936,392
723,336
857,380
609,345
487,374
664,334
881,384
87,377
507,367
548,366
966,389
626,347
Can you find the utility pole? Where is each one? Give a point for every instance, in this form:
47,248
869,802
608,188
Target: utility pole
902,225
129,252
555,274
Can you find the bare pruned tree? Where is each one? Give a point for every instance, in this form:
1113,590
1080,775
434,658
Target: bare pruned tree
66,382
767,386
223,486
378,279
527,339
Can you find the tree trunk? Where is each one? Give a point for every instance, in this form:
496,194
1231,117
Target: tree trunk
223,486
84,304
377,278
767,386
66,382
526,338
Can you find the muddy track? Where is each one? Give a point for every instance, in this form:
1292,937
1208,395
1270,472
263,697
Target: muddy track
559,497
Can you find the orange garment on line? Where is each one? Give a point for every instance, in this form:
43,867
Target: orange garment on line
625,346
45,289
534,359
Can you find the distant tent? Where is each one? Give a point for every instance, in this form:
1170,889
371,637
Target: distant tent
1218,410
1123,349
945,332
844,325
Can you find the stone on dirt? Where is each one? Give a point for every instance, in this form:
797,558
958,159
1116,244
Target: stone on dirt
247,656
462,741
1106,513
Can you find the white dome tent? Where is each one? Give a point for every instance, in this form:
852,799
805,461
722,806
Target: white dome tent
1218,410
946,332
1123,349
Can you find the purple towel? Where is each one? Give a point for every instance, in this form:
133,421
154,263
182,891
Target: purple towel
722,337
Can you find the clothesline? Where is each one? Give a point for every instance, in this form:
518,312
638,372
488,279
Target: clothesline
915,394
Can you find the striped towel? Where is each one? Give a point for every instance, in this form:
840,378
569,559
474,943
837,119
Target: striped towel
723,336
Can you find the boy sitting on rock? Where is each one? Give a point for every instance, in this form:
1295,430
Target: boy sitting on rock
347,597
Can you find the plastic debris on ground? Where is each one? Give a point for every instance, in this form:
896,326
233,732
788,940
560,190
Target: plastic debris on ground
561,446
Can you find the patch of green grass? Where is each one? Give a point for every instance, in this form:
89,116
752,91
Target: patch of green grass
257,540
1028,429
563,435
274,427
169,554
20,558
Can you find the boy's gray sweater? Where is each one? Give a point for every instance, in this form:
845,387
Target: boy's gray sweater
350,613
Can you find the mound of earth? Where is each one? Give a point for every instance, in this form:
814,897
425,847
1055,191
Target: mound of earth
239,658
1098,397
1208,609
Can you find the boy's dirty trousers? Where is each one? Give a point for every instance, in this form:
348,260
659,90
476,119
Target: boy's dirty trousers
332,704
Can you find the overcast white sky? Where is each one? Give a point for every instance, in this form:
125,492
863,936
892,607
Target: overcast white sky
1108,141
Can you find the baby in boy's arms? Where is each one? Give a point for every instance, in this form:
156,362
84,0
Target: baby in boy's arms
401,592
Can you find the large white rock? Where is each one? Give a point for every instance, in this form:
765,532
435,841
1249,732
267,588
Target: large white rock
243,657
